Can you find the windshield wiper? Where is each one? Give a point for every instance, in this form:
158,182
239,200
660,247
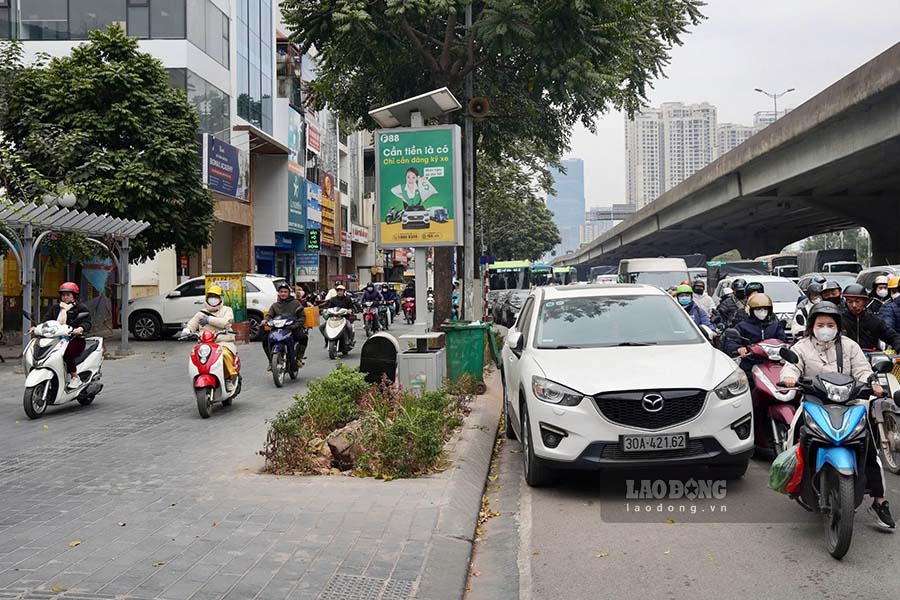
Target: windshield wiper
637,344
561,347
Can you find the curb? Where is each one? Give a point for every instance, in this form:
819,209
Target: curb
446,567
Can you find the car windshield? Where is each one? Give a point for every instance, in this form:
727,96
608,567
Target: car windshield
843,280
781,291
662,279
606,321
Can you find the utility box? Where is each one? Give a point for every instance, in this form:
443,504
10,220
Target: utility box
424,367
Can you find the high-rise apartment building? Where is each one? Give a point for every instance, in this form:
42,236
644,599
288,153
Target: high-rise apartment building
567,203
730,136
665,146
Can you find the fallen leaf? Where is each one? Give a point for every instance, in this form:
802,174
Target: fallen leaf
214,524
57,589
74,543
516,451
666,552
173,504
601,555
46,427
158,564
476,573
669,521
710,558
491,477
535,553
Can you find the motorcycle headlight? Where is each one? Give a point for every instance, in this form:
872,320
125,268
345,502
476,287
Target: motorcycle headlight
203,353
838,393
554,393
773,352
279,322
734,385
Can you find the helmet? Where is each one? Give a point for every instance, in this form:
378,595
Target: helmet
814,289
823,308
759,300
284,285
881,280
754,287
893,282
214,290
855,290
684,289
69,287
820,279
340,287
738,284
831,285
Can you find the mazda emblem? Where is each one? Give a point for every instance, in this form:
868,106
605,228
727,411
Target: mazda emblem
652,403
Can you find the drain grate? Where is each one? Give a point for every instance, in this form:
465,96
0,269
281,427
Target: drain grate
355,587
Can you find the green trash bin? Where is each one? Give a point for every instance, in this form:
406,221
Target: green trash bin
465,351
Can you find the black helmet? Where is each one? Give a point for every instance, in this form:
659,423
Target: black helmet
284,285
855,289
755,286
738,284
823,308
814,289
831,285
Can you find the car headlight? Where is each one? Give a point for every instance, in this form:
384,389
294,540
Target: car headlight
734,385
554,393
203,353
838,393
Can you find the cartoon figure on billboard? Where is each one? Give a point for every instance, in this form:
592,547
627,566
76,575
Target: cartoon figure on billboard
412,193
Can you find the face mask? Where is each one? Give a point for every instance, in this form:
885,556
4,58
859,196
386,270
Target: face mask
836,300
684,300
760,313
739,294
699,290
825,334
213,301
881,293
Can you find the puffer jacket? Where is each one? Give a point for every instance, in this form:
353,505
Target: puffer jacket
817,357
699,315
868,329
219,319
755,331
890,314
731,310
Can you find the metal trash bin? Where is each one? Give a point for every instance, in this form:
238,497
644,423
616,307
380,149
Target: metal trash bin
465,350
378,358
422,368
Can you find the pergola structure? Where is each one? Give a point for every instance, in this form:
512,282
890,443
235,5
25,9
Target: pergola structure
29,224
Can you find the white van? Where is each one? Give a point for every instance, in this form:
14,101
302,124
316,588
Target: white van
661,272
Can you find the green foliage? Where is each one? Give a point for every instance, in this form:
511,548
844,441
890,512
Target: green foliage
857,239
332,401
105,121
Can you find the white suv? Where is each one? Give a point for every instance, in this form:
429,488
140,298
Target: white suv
605,376
152,316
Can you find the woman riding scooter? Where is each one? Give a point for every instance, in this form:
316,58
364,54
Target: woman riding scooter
216,317
759,324
76,315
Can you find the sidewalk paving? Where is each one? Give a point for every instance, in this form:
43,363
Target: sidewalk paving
166,505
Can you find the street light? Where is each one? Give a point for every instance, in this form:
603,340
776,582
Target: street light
774,97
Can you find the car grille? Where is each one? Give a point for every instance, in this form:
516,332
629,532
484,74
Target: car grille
615,452
627,408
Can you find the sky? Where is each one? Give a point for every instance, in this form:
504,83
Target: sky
741,45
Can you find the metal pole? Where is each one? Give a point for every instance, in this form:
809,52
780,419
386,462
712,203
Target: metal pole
27,281
468,266
421,256
125,281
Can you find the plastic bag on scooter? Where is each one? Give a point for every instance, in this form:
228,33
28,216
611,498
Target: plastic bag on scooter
784,468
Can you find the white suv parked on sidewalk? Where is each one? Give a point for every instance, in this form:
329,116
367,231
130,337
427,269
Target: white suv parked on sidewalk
152,316
606,376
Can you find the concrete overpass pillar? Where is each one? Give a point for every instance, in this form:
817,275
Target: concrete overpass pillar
885,244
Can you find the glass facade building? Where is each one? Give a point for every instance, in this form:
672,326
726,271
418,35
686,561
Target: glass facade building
253,25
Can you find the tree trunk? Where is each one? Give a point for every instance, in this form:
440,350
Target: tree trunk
443,284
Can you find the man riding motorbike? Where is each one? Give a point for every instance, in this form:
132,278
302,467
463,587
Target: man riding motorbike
732,307
890,312
286,306
701,298
685,296
339,300
370,294
760,324
831,291
410,290
879,294
69,311
391,296
216,317
824,350
862,326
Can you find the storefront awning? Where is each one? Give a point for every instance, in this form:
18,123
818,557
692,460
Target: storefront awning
261,142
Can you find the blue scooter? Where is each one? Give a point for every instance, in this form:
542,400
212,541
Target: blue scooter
835,441
282,349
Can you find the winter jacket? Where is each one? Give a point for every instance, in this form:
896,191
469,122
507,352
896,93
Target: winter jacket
291,307
817,357
754,331
875,303
344,301
867,330
699,315
218,319
705,302
890,314
373,296
77,315
730,311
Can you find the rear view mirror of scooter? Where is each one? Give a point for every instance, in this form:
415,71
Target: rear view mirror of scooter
733,334
789,356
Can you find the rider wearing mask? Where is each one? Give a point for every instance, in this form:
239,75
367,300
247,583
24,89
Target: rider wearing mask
890,312
831,291
370,294
339,300
879,295
813,295
391,296
825,350
685,296
701,298
759,324
286,306
216,317
731,307
71,312
862,326
410,290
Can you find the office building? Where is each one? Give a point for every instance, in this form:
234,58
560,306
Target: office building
643,157
567,203
730,136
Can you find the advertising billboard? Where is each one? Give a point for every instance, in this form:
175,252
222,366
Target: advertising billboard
224,171
329,225
296,217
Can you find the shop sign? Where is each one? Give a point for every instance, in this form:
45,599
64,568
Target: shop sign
359,234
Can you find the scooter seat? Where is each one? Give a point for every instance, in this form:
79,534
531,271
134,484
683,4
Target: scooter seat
90,345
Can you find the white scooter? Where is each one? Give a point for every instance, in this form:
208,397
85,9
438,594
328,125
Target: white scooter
45,380
207,371
338,331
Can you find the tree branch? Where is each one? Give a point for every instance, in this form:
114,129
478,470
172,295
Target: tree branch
420,48
449,34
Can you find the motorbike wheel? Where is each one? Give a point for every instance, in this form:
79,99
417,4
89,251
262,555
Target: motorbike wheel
332,349
368,328
35,401
840,505
891,454
277,363
85,400
784,431
204,401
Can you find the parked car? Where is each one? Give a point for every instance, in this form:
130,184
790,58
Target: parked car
153,316
619,376
783,292
867,277
506,311
843,278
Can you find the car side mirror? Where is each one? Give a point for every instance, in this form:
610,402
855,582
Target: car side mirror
789,356
174,294
800,320
515,340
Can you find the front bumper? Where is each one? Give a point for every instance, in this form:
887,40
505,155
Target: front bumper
700,451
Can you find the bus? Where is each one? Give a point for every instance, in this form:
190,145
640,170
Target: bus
564,275
508,275
541,274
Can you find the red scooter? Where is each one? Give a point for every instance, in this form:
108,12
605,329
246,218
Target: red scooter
207,371
409,310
